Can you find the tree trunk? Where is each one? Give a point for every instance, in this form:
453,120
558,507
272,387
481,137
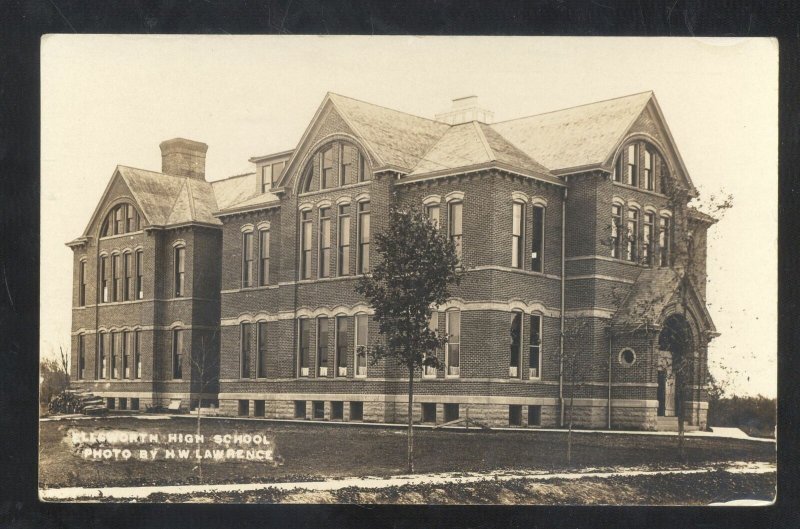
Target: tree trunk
410,455
569,431
200,462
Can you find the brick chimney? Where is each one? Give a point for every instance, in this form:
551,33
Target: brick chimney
182,157
464,110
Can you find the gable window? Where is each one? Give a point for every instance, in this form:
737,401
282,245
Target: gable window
632,245
139,273
263,257
453,330
363,175
81,356
647,238
616,226
244,350
537,249
247,259
132,219
647,175
104,277
116,272
127,350
119,223
664,240
305,244
347,168
137,357
455,210
102,355
343,261
128,293
433,212
326,174
262,349
82,284
122,219
177,354
516,346
618,169
342,345
361,344
535,347
517,229
304,344
631,165
180,271
363,237
322,346
324,242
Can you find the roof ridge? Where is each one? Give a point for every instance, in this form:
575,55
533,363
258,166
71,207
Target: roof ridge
574,106
389,108
484,141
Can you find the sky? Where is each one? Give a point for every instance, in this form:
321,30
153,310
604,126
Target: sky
109,100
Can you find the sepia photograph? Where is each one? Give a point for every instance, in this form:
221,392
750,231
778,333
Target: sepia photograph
408,270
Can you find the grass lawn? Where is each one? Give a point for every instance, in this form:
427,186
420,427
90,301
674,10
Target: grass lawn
312,451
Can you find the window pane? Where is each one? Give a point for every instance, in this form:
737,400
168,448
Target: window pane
535,346
344,241
361,344
324,242
263,262
322,344
245,337
262,349
537,244
454,226
516,339
342,342
305,343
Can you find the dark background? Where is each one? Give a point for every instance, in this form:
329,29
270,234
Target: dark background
23,22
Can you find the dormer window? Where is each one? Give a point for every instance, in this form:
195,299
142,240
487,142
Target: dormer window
270,174
121,219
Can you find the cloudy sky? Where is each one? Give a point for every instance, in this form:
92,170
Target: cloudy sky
109,100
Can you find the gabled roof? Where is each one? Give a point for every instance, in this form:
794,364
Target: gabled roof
575,137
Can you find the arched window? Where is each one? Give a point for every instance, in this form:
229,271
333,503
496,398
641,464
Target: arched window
247,258
648,238
639,164
363,237
180,271
324,241
322,346
263,257
81,356
82,283
335,164
342,344
123,218
664,240
537,237
455,210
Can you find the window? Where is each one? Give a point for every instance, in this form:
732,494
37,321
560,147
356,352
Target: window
618,169
453,322
342,345
305,244
326,175
322,347
648,169
429,412
535,347
116,350
318,409
356,411
363,176
132,218
259,408
262,349
363,237
243,408
139,274
647,239
135,403
627,357
116,273
119,223
517,229
324,242
433,325
631,172
102,353
632,241
337,410
347,173
128,293
270,174
454,225
104,277
82,284
127,350
304,344
616,225
299,409
433,213
122,219
81,356
516,345
177,354
664,240
263,258
515,415
247,259
361,344
244,348
537,250
180,271
137,356
451,412
535,415
344,240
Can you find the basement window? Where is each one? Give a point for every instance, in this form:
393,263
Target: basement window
429,412
244,408
535,415
299,409
515,415
356,411
319,409
337,410
451,412
259,407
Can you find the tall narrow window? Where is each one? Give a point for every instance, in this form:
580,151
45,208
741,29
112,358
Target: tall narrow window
647,239
517,229
102,355
664,241
127,350
537,243
361,344
453,343
266,178
516,345
137,354
104,277
275,173
304,345
306,226
363,237
324,242
631,249
343,262
454,225
322,347
116,272
433,213
648,169
342,345
180,271
82,284
128,293
131,218
347,167
631,172
535,347
81,356
433,325
616,226
177,354
262,349
116,351
618,169
362,168
119,221
263,257
244,350
247,259
139,274
326,174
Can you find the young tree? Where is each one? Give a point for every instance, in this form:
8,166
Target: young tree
416,266
205,372
576,335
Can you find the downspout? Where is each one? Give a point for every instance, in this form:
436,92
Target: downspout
610,363
561,334
97,296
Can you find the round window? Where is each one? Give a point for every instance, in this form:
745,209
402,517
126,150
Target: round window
627,357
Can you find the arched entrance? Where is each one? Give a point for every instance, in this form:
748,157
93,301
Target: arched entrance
674,344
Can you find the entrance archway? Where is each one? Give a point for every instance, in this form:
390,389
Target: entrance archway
674,344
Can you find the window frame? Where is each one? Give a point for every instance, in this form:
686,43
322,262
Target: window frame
262,348
648,172
104,293
127,350
457,238
324,252
116,278
178,342
345,162
360,320
364,213
342,345
326,173
343,243
82,264
101,368
452,371
322,346
632,164
264,239
128,285
116,349
433,325
537,237
139,274
518,234
535,330
245,349
248,258
179,271
516,371
300,333
137,354
664,241
632,225
306,244
648,237
81,371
